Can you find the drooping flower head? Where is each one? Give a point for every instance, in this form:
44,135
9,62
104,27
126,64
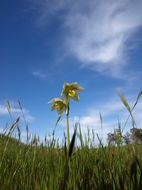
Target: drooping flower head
59,105
70,91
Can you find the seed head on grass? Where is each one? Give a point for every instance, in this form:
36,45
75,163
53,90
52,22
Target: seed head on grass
128,107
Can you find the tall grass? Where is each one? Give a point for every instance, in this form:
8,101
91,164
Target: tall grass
48,165
32,166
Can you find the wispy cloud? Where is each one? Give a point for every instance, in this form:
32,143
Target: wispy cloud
92,119
1,130
15,111
39,74
99,37
4,111
112,111
96,32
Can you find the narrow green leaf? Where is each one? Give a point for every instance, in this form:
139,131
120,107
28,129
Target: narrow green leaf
72,143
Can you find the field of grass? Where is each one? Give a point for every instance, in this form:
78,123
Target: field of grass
48,166
53,166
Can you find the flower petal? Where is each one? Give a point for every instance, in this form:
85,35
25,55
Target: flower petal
70,91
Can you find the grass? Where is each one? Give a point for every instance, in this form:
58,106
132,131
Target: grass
49,166
36,167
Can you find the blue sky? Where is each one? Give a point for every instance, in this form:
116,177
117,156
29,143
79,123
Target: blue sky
46,43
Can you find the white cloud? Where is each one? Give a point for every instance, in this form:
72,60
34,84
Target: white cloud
112,111
1,130
4,111
29,118
15,111
98,38
39,74
97,32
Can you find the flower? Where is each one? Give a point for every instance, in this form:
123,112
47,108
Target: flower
59,105
70,91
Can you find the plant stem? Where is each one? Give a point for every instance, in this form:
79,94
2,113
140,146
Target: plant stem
68,136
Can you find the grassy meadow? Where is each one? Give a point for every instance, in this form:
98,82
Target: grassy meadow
48,165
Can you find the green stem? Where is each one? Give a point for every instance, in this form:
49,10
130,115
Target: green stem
67,115
68,136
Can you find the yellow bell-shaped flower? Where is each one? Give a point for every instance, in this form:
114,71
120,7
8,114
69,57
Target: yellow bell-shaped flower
70,91
59,105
